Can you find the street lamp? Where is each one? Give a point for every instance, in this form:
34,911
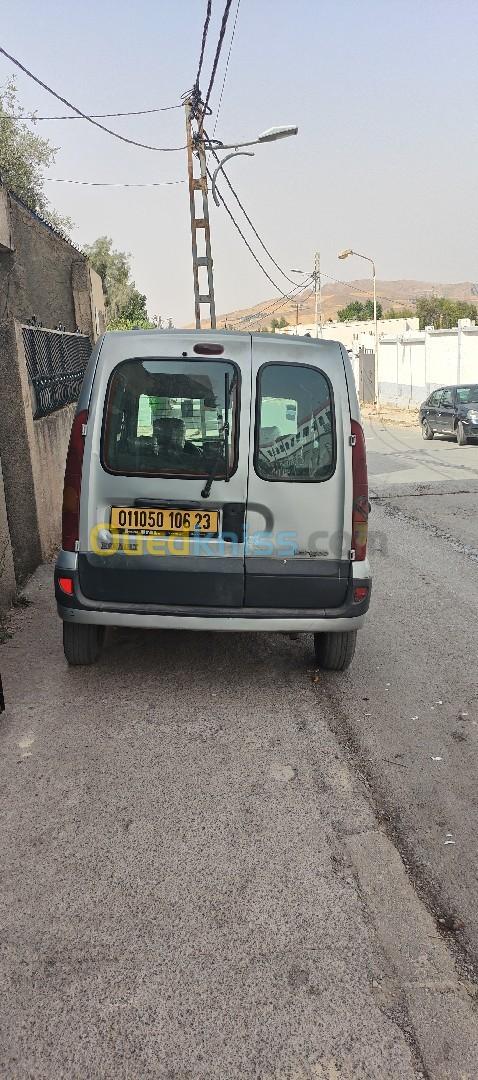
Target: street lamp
344,255
271,135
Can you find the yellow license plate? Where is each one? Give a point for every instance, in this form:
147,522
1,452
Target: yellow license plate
156,522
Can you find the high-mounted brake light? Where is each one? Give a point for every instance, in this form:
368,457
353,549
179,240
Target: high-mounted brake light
72,484
208,349
360,505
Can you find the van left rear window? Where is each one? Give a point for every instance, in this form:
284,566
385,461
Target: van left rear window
168,418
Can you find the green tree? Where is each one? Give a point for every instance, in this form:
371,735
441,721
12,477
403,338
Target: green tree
125,305
441,313
400,313
358,311
24,157
279,324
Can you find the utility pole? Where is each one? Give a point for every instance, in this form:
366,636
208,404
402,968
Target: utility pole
197,153
318,295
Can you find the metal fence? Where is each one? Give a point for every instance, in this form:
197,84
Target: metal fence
56,363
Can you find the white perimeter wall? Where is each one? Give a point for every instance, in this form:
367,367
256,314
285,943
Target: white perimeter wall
412,364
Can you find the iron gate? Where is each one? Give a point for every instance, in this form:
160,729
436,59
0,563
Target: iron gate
56,364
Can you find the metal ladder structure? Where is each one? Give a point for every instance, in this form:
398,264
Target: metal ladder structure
200,229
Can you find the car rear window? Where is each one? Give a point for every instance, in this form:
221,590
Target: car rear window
295,431
168,418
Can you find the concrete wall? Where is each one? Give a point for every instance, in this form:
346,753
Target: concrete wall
16,443
34,455
42,272
50,443
44,275
354,333
413,364
88,299
5,230
7,572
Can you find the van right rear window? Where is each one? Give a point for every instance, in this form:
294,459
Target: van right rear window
295,431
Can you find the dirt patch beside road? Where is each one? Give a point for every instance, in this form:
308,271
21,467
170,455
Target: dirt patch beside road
391,414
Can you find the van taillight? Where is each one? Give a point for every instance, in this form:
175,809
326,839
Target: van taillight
360,510
72,484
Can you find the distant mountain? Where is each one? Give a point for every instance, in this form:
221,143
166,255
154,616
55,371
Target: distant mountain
392,295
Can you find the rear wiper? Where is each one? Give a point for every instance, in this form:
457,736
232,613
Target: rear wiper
224,449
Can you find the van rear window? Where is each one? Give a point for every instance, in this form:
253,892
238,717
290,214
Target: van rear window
168,418
295,435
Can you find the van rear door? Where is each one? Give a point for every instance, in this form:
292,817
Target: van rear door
300,484
154,529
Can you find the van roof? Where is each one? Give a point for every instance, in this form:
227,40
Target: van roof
218,334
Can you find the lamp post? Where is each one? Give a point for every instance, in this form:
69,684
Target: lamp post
344,255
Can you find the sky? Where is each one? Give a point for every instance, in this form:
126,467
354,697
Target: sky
384,93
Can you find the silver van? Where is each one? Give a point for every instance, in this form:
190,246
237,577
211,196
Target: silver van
215,481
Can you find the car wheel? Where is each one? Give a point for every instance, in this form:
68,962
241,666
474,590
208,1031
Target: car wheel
461,436
82,643
335,652
427,431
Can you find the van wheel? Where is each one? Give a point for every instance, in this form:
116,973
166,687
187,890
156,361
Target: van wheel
82,643
427,431
335,652
461,436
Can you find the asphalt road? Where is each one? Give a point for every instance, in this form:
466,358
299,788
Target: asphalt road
400,459
219,863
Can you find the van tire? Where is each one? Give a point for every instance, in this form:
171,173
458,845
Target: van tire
82,643
427,431
335,652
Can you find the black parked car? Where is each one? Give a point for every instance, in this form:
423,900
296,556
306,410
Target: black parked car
452,410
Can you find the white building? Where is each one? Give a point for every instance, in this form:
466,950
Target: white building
354,334
412,364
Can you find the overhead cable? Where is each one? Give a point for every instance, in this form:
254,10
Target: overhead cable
95,116
69,105
244,238
270,308
365,292
256,234
203,42
218,53
227,67
106,183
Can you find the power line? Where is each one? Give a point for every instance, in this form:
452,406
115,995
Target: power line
227,67
270,308
278,303
203,42
218,53
116,134
246,215
365,292
105,183
244,238
94,116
